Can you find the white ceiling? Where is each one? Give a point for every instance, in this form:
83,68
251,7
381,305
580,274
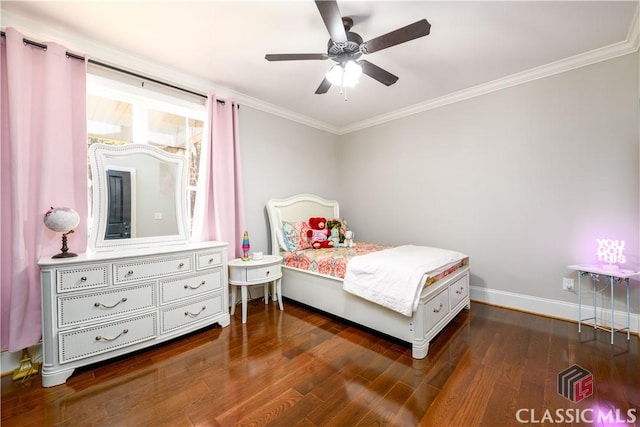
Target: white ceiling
224,43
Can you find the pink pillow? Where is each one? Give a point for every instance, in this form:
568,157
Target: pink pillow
295,235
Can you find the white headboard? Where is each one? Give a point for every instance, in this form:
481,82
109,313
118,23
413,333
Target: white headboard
297,208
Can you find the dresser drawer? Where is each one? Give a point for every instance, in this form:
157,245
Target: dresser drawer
172,290
101,305
209,259
152,268
182,315
73,279
458,291
437,308
82,343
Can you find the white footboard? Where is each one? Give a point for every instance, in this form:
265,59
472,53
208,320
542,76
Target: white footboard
439,303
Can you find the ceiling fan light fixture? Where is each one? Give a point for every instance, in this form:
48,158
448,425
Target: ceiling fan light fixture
352,73
335,75
346,76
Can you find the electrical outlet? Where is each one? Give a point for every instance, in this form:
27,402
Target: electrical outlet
567,284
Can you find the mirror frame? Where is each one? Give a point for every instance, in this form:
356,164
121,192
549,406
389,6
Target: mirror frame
98,153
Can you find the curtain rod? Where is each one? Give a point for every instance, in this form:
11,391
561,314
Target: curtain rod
111,67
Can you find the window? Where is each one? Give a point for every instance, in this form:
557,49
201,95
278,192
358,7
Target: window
123,110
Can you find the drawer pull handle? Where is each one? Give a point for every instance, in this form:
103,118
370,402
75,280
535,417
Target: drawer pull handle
194,287
99,338
99,304
186,313
129,273
268,272
437,310
210,260
181,265
459,291
83,279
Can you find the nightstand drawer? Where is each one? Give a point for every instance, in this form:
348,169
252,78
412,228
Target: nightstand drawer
73,279
99,305
79,344
255,274
172,290
270,272
152,268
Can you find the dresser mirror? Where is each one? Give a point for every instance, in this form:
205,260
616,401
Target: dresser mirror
139,197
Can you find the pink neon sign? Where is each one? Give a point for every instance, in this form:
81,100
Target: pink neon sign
611,251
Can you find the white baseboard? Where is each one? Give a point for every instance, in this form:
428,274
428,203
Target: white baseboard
552,308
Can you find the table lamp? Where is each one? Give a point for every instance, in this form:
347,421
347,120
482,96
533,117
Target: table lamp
62,220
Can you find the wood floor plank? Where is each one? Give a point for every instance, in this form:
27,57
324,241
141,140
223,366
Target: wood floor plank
299,367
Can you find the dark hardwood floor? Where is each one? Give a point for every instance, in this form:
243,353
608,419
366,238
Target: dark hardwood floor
299,367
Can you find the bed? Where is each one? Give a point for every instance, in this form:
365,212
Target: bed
442,293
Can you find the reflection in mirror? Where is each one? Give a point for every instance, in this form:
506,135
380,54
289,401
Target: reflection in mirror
139,197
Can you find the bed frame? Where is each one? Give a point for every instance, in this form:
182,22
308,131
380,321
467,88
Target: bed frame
439,302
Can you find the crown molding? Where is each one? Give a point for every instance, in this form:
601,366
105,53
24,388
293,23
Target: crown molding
82,46
102,53
615,50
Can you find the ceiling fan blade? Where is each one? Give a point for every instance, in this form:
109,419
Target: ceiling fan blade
332,20
375,72
294,56
401,35
324,87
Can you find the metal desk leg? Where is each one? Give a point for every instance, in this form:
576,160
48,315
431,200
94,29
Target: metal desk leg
579,302
628,312
595,313
612,324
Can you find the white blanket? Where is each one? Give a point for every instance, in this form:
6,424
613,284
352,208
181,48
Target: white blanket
393,277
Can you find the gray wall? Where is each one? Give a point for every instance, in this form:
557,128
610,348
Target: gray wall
281,158
523,179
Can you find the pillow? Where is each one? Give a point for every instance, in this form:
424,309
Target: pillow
295,235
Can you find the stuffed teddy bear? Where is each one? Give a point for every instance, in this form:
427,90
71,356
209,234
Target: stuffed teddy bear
318,235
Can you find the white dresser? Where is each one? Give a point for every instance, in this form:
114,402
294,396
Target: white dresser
95,307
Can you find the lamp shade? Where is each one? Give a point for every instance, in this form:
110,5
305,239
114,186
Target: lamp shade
61,220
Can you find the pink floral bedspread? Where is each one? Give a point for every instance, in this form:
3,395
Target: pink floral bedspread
333,262
330,262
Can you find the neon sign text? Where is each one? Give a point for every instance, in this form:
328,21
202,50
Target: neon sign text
611,251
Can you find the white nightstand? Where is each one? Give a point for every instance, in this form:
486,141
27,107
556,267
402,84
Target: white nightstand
255,272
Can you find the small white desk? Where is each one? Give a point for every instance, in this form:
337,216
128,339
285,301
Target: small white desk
255,272
615,276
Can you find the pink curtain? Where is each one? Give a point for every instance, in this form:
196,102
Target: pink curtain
43,163
219,208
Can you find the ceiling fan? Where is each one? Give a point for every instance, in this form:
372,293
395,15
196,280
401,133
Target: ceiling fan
346,47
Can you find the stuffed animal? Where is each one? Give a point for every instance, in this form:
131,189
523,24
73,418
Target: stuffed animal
348,239
336,223
335,237
318,235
